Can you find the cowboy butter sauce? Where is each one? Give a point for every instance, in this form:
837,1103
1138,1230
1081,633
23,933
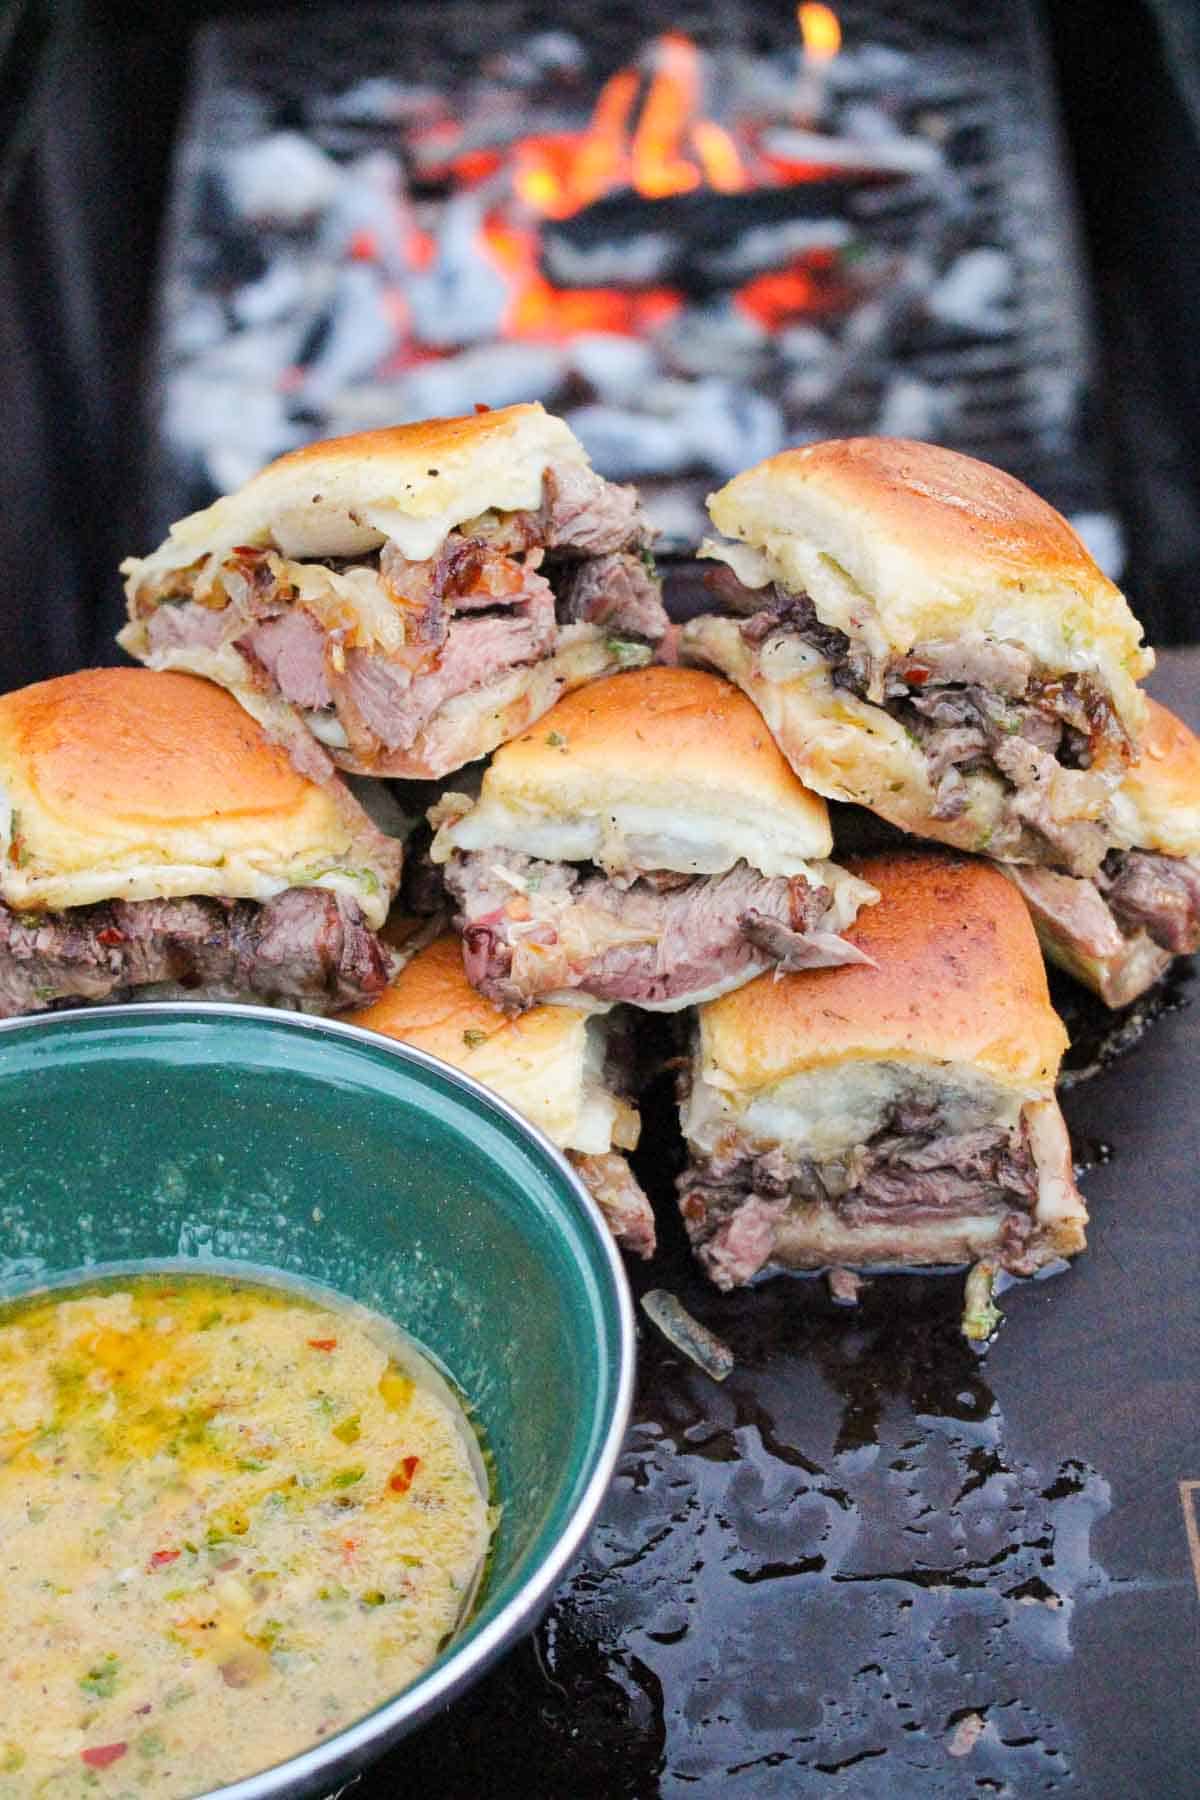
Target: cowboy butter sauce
230,1524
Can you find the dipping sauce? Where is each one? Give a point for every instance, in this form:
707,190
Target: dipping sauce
230,1523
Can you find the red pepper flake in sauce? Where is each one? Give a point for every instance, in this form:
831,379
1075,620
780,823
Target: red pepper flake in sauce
110,936
101,1755
322,1343
402,1476
916,674
161,1558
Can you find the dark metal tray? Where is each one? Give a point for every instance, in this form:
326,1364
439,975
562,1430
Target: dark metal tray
875,1562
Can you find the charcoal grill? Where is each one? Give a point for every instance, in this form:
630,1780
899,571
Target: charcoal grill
913,269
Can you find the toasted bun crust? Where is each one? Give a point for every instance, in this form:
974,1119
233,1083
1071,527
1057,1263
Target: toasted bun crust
410,483
641,756
537,1061
847,749
123,783
959,979
903,543
1158,805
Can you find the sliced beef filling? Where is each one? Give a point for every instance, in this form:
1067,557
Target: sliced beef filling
1159,895
531,928
1134,892
971,704
494,598
307,946
911,1171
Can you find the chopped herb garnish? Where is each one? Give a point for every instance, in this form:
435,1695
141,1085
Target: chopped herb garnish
555,739
345,1478
101,1679
626,652
473,1038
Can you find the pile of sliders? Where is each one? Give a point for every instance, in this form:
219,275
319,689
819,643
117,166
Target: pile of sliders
415,743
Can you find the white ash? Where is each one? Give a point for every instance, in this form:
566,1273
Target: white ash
717,339
622,442
284,180
372,204
976,292
494,375
1102,533
615,367
364,330
461,298
276,295
914,409
900,155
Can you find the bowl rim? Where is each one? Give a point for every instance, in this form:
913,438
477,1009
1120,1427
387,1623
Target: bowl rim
353,1748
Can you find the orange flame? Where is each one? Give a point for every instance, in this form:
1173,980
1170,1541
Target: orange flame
820,30
667,150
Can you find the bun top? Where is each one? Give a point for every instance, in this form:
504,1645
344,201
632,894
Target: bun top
657,768
901,543
1158,804
959,979
535,1061
127,784
411,483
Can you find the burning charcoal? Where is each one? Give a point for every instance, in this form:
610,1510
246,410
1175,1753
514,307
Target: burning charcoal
362,332
914,409
461,298
198,327
717,339
546,53
1102,533
495,375
617,368
891,156
804,347
729,427
677,519
629,444
274,296
371,220
233,425
281,180
975,293
381,101
702,241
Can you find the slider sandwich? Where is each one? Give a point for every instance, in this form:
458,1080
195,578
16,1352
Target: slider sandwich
927,638
153,840
1120,929
645,842
564,1069
402,601
892,1113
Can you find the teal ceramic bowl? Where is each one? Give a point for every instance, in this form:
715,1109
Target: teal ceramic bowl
194,1134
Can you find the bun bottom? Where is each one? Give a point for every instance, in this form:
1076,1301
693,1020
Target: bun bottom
465,728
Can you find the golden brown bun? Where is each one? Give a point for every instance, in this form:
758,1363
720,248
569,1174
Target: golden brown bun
904,543
127,784
539,1061
1158,806
410,483
631,759
959,979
